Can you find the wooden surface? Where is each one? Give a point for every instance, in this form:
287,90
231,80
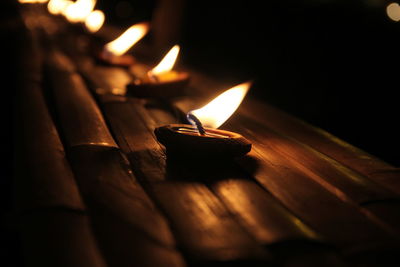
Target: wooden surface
95,177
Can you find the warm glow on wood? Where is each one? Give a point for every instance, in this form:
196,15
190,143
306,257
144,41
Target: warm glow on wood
95,20
168,62
126,40
215,113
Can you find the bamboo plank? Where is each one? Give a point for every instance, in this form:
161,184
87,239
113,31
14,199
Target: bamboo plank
43,177
340,223
79,115
58,238
324,170
386,213
348,155
342,182
130,230
51,218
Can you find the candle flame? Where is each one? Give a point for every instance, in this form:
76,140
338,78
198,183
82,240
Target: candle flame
78,11
95,20
168,62
126,40
56,7
216,112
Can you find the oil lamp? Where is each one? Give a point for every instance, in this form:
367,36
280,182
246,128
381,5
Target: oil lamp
113,53
202,138
161,81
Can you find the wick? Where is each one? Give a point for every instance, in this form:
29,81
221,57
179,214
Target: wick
196,122
152,77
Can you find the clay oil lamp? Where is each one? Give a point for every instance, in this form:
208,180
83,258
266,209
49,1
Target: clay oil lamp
201,138
161,81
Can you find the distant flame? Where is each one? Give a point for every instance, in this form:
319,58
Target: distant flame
32,1
393,11
216,112
126,40
95,20
78,11
56,7
168,62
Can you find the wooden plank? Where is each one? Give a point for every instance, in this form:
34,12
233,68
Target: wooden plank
348,155
203,226
205,219
43,177
130,229
105,85
386,213
79,115
58,238
339,180
340,223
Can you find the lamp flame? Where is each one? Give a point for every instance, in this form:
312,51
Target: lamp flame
167,63
216,112
126,40
78,11
95,20
56,7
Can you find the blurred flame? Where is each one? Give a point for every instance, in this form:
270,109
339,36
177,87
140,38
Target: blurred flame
56,7
95,20
393,11
78,11
168,62
126,40
216,112
32,1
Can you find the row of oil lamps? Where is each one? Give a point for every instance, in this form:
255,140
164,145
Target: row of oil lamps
202,137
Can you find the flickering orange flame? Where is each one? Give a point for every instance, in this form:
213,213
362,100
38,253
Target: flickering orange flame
216,112
95,20
126,40
167,63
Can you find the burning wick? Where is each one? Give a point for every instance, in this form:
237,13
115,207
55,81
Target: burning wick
202,139
196,122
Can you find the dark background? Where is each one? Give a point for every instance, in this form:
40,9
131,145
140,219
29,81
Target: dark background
332,63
